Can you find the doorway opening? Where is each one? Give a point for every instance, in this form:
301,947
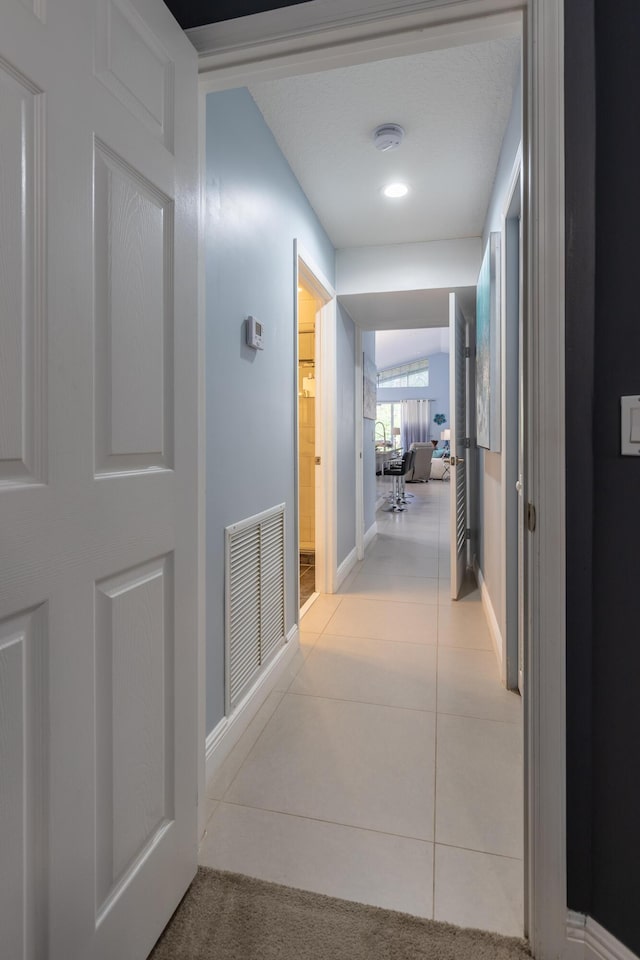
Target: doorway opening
314,377
308,306
544,261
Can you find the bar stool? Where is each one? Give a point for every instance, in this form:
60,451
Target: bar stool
398,469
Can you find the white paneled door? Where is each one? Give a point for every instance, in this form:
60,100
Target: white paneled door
98,429
457,420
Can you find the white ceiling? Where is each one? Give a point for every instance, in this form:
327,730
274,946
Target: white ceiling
402,346
404,309
454,105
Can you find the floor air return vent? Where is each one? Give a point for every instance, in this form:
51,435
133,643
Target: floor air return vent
254,599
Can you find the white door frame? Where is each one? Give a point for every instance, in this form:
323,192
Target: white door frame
314,37
326,518
508,671
359,431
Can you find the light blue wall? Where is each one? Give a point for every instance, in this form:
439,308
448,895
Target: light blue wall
346,441
255,208
437,392
368,442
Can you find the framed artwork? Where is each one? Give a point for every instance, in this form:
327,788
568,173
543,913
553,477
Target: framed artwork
369,388
488,411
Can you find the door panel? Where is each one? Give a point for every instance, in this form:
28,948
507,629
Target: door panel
22,340
23,837
133,234
457,417
98,692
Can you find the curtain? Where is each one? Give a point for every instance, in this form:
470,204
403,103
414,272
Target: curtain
415,422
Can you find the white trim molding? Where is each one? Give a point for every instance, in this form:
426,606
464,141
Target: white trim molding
492,620
326,432
228,731
359,442
545,643
346,567
335,33
587,940
370,534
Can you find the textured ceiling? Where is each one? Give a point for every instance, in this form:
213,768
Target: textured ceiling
454,105
402,346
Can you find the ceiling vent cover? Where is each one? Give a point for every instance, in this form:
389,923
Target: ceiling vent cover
388,136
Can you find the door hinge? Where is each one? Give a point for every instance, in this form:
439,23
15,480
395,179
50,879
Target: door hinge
467,533
467,442
467,353
531,517
318,461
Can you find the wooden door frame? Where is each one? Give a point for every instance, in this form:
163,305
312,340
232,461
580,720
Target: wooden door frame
317,39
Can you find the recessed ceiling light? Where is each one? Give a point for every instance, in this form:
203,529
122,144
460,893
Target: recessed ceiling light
395,190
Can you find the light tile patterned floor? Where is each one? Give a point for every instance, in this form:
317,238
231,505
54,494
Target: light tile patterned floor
387,765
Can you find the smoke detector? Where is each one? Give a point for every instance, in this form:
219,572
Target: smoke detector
388,136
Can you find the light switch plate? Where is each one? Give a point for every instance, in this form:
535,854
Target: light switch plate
630,426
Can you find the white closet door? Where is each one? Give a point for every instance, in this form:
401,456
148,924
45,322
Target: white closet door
98,779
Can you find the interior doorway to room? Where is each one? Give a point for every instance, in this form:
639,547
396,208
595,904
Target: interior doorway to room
308,306
314,378
372,438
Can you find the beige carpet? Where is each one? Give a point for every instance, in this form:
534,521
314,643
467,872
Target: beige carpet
225,916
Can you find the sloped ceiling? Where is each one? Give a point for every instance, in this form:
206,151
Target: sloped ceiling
402,346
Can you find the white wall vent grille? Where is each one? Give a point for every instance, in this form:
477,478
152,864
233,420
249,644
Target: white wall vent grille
254,598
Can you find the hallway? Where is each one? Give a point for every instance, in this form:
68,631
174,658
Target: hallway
389,730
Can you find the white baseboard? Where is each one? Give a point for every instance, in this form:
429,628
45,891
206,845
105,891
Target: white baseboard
380,502
494,628
587,940
228,731
346,567
308,604
370,535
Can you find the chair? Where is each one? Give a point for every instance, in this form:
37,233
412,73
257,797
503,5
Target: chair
440,468
398,469
422,464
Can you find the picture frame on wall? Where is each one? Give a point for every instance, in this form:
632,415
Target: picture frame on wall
369,388
488,407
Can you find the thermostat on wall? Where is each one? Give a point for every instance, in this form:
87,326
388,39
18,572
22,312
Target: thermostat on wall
254,333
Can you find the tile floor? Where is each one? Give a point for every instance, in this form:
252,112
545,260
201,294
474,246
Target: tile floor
387,766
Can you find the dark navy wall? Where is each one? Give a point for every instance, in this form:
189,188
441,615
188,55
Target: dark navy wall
616,479
603,524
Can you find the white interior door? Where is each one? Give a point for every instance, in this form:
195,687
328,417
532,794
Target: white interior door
457,420
98,430
522,468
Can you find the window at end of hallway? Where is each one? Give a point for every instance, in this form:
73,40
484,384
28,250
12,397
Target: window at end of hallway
414,374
